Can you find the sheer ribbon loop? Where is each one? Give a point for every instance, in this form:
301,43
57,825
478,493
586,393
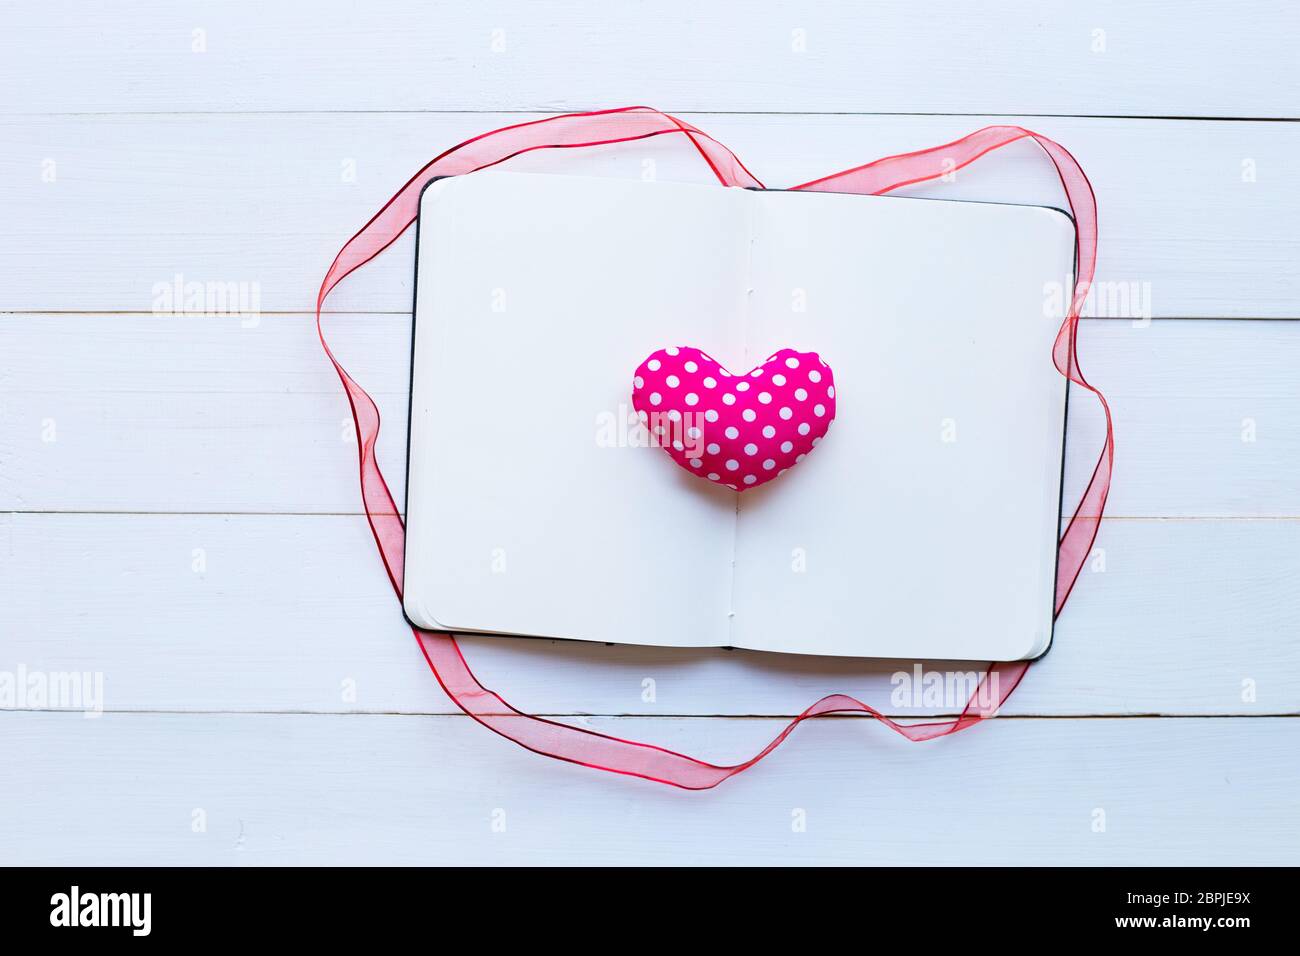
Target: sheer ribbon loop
629,124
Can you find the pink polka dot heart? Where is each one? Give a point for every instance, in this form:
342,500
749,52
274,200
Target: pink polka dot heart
737,430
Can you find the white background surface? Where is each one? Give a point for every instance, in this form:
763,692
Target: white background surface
278,691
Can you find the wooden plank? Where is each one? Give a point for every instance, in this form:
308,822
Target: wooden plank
1153,59
267,615
294,613
205,415
294,789
1196,218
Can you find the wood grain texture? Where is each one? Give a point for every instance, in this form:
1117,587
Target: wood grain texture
294,613
352,790
206,415
1106,58
181,492
1197,219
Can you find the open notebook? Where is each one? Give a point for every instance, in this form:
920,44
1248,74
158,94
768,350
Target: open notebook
923,526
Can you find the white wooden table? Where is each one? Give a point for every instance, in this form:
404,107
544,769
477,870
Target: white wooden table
181,513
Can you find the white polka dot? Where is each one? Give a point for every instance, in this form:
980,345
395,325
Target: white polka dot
786,414
643,415
749,414
674,415
655,398
724,373
787,446
638,382
778,379
695,463
710,382
805,428
711,415
751,449
764,397
814,376
733,487
693,433
792,362
732,431
713,448
769,464
732,464
750,479
799,458
691,367
769,431
673,381
817,439
801,393
742,386
714,476
830,391
692,398
756,373
819,410
653,365
678,446
728,399
672,350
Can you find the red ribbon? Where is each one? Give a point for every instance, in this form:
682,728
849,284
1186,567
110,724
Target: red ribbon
625,125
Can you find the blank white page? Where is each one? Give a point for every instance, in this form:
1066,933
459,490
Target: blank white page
537,297
924,525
